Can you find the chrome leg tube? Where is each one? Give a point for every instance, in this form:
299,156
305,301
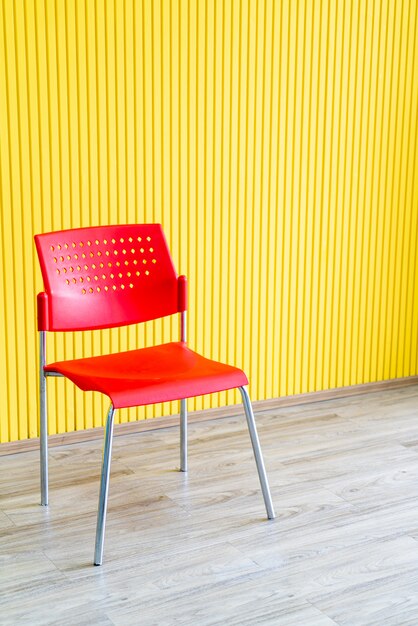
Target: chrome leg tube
257,452
43,422
183,403
183,435
104,488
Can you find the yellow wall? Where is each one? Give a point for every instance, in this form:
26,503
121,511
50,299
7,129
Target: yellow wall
277,144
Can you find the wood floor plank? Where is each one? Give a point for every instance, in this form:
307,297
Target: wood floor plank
385,602
216,608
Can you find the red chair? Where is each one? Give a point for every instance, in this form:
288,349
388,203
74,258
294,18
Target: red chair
113,276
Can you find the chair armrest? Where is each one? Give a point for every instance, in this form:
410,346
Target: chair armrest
43,314
182,293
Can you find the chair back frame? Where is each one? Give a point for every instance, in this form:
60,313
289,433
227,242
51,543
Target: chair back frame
107,276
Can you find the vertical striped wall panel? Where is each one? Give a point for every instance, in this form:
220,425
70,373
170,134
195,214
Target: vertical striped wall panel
276,141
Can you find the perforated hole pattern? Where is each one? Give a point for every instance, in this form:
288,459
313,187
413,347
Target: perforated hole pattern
104,265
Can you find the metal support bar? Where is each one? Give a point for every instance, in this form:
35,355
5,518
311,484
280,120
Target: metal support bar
183,326
183,403
183,435
43,419
104,488
257,452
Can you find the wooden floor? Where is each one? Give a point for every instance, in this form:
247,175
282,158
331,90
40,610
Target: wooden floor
196,550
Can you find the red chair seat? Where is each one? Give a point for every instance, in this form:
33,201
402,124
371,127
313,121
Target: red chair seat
158,374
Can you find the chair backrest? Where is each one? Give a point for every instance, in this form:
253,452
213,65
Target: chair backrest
106,276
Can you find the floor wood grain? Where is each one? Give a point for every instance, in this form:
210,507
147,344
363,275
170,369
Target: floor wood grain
196,549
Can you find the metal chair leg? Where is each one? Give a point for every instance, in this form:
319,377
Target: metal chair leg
257,452
104,488
43,422
183,435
